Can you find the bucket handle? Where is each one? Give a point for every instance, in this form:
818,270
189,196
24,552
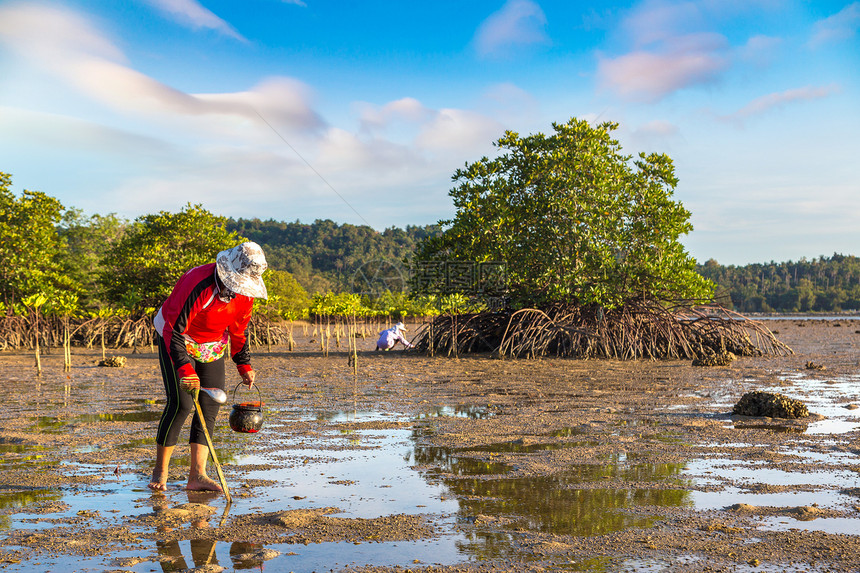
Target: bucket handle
260,394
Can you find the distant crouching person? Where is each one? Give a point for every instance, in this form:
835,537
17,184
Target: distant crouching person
389,338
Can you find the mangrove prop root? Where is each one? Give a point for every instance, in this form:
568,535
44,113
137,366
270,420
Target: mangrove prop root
640,329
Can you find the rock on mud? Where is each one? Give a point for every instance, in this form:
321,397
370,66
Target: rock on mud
711,358
770,405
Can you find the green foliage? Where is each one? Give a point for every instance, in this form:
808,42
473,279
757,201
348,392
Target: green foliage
63,304
825,284
388,306
340,304
142,267
324,256
287,298
35,301
574,219
86,241
29,245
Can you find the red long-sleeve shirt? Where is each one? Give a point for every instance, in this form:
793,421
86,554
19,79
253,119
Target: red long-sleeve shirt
194,311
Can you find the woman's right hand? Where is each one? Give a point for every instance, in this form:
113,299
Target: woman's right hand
189,383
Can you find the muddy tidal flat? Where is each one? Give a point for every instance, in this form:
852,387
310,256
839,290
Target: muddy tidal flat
444,464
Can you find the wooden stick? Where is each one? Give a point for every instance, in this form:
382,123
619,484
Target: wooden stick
212,449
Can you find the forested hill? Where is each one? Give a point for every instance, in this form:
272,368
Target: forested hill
325,255
825,284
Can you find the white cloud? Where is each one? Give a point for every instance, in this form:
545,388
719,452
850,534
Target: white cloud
444,132
657,21
672,49
840,26
674,45
286,101
63,133
67,46
407,109
192,13
772,101
511,104
518,23
648,76
44,34
459,132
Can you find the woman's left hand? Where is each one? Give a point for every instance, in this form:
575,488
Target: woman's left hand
248,378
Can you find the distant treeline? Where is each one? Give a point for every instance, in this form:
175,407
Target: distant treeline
325,256
825,284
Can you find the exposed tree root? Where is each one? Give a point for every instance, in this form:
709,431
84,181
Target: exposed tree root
640,329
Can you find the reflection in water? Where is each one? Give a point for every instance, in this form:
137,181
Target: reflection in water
56,424
776,428
564,503
28,497
457,465
245,555
49,424
144,416
136,443
463,411
22,454
472,412
567,432
202,550
599,564
172,559
518,447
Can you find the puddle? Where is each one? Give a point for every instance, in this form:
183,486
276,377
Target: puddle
57,424
28,497
449,462
553,504
832,427
567,432
518,447
369,473
351,416
741,481
385,472
824,396
473,412
314,557
693,563
834,525
20,453
147,416
780,429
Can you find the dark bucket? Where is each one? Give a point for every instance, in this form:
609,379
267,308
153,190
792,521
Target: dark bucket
247,417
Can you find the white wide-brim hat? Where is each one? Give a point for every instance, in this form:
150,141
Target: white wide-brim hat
399,326
241,269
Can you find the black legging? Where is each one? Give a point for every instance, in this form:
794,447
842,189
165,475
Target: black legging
180,403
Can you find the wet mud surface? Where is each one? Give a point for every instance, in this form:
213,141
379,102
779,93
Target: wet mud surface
445,464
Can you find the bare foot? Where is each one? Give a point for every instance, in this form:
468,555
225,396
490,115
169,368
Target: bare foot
158,482
202,483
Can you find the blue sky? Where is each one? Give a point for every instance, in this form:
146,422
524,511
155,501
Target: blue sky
361,111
